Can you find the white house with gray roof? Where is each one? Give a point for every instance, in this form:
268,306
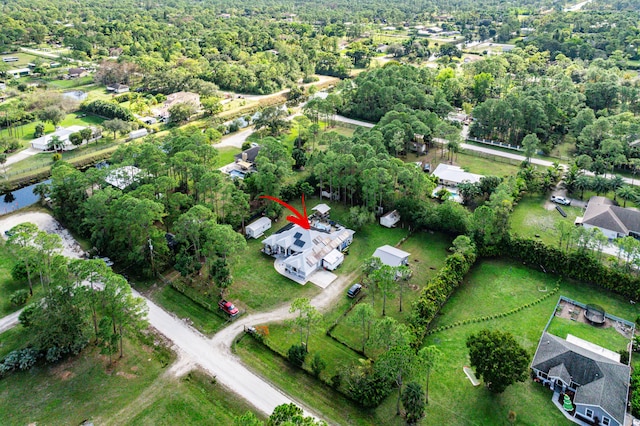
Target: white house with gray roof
304,251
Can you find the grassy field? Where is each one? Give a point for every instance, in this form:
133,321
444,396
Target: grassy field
428,252
24,59
608,338
194,399
71,83
27,131
12,339
531,218
77,389
7,284
501,286
469,162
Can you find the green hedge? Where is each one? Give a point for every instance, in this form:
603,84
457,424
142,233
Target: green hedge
438,290
581,266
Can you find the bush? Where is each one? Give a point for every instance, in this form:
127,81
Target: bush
297,354
624,356
56,157
20,297
19,272
318,365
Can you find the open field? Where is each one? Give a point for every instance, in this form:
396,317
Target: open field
226,155
501,286
23,59
77,389
531,218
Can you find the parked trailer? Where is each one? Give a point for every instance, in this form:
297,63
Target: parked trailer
561,211
257,228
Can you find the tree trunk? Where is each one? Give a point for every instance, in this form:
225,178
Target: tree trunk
401,287
384,303
121,349
426,388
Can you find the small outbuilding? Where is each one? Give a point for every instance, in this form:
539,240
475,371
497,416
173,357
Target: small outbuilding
256,228
332,260
390,219
140,133
322,211
392,256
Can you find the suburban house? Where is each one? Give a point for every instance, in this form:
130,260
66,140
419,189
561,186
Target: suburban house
392,256
77,72
301,252
174,99
42,143
614,221
390,219
449,175
117,88
247,158
597,382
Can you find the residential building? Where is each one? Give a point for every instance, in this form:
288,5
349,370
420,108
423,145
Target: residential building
122,177
117,88
257,228
174,99
449,175
19,72
301,252
614,221
42,143
597,383
77,72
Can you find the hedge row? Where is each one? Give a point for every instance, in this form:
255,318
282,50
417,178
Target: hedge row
438,290
582,266
109,110
495,316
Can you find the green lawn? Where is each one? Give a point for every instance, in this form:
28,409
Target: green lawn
27,131
174,301
24,59
483,166
608,338
531,218
77,389
226,155
12,339
334,407
428,252
194,399
494,286
71,83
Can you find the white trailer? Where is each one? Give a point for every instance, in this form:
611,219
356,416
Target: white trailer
256,229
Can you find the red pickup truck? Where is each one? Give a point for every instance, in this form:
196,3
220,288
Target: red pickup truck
228,307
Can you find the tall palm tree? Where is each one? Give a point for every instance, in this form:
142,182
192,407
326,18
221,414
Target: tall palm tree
615,183
627,193
583,182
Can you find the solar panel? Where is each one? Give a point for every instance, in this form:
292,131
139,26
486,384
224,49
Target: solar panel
297,235
298,243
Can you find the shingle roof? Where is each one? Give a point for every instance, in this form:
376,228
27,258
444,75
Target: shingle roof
601,212
603,382
252,153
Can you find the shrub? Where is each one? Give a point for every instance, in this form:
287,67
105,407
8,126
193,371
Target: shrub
296,355
20,297
318,365
56,157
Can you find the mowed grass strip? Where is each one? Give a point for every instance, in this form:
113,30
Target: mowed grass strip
322,399
195,399
174,301
494,286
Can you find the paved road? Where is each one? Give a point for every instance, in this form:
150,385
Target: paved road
40,53
9,321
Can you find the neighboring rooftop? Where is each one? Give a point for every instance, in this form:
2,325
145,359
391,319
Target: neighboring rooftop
454,174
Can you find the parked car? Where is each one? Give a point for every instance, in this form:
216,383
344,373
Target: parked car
561,200
228,307
354,290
